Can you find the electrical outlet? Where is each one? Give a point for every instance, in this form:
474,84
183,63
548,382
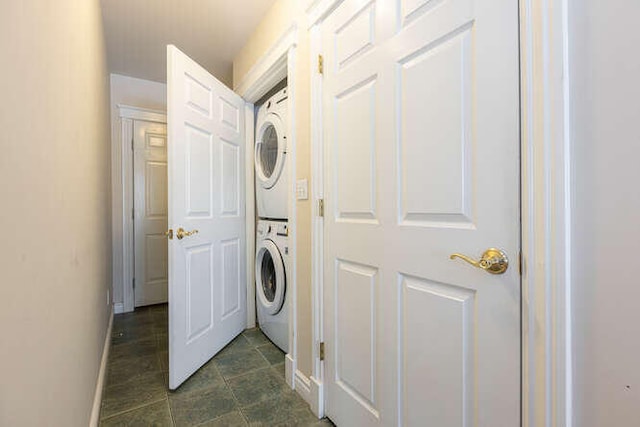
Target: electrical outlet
302,189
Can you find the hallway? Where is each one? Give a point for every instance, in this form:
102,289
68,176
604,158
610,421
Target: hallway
242,385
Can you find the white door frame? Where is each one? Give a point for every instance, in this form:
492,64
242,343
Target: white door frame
545,210
277,63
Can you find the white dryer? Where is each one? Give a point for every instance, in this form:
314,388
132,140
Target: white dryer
272,298
271,166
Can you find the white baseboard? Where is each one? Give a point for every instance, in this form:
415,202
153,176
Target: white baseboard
310,390
102,374
289,370
118,308
317,402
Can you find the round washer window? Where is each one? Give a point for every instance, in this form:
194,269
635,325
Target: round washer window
269,150
268,274
270,277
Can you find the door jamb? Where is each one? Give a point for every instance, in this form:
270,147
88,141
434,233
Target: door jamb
545,210
123,243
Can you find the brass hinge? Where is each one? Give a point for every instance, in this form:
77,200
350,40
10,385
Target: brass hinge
320,64
321,351
321,207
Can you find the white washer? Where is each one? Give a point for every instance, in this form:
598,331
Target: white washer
272,169
272,298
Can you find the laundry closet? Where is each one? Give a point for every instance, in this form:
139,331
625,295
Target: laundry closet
272,211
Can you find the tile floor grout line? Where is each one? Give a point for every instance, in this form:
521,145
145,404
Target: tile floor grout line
246,372
133,408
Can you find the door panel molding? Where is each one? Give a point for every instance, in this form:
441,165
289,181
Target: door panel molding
546,213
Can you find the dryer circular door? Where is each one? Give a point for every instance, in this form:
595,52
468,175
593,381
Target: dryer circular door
270,150
270,277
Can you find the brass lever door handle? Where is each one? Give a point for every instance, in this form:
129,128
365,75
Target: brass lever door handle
181,233
493,261
169,234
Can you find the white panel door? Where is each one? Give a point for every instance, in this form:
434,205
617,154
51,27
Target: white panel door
421,111
207,274
150,212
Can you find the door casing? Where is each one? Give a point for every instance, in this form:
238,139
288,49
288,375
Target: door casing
545,164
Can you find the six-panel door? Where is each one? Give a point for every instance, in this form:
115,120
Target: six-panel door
207,267
421,125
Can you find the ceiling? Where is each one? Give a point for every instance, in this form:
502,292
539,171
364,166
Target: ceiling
211,32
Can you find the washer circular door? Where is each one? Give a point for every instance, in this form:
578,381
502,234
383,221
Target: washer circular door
270,277
270,149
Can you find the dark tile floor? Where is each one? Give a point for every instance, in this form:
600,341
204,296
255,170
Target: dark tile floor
243,385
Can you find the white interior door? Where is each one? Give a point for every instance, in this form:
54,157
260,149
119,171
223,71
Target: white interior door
421,110
207,269
150,212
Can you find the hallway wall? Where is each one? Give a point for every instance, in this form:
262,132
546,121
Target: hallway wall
55,244
279,18
605,104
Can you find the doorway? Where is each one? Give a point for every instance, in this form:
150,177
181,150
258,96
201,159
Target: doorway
149,144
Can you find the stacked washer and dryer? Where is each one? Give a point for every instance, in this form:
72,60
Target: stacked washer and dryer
272,248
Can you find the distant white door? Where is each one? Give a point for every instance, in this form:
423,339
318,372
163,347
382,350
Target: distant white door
207,262
421,111
150,212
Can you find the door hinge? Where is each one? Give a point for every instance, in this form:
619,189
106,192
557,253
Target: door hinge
134,283
133,213
321,207
131,143
320,64
321,351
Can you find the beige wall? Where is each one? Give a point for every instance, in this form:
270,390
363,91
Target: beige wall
278,20
55,266
134,93
604,66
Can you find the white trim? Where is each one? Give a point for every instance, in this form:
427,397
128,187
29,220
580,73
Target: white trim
546,196
270,69
546,153
137,113
102,375
319,10
118,308
292,220
310,390
289,370
303,386
317,222
316,402
127,194
250,214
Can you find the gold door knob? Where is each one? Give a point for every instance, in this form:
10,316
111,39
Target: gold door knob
493,261
169,234
181,233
